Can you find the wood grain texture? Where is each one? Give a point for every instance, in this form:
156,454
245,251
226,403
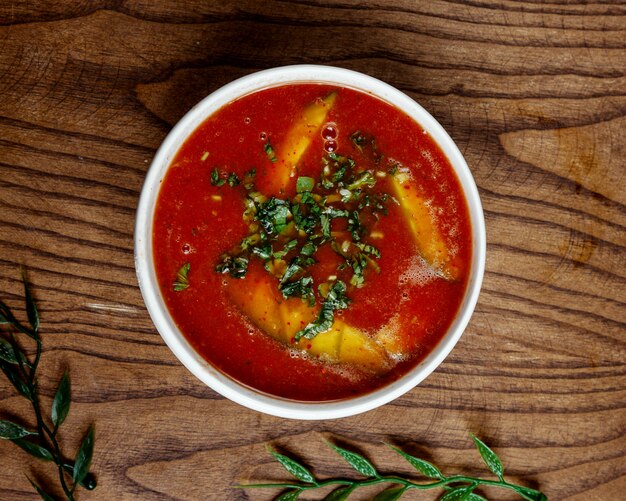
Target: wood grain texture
533,93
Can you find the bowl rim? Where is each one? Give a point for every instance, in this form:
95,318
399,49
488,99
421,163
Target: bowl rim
146,276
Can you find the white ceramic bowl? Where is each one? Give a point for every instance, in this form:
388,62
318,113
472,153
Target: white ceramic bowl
145,265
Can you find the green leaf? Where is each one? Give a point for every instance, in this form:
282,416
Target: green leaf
424,467
11,354
34,449
61,402
89,482
6,317
10,431
6,352
31,307
13,375
458,494
475,497
358,462
83,457
44,495
530,494
288,496
182,278
293,467
340,494
489,457
390,494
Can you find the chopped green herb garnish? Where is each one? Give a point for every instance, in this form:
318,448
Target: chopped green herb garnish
233,180
264,252
377,202
250,241
302,288
216,180
308,249
182,278
236,266
368,249
248,179
334,170
297,266
354,226
367,144
269,151
335,213
272,215
285,234
358,140
305,184
358,264
325,223
335,300
365,179
288,247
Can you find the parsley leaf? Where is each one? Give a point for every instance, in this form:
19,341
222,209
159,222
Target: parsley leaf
237,266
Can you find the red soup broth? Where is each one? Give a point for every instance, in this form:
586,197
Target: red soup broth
196,222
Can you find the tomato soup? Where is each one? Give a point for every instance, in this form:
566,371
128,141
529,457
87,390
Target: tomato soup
312,242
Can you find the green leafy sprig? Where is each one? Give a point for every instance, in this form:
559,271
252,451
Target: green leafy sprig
457,487
42,442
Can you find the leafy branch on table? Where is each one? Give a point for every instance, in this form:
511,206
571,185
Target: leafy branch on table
457,487
42,442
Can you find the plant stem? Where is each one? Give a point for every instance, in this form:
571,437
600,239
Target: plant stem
23,375
456,479
43,429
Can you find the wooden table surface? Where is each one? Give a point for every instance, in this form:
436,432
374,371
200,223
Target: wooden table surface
533,93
